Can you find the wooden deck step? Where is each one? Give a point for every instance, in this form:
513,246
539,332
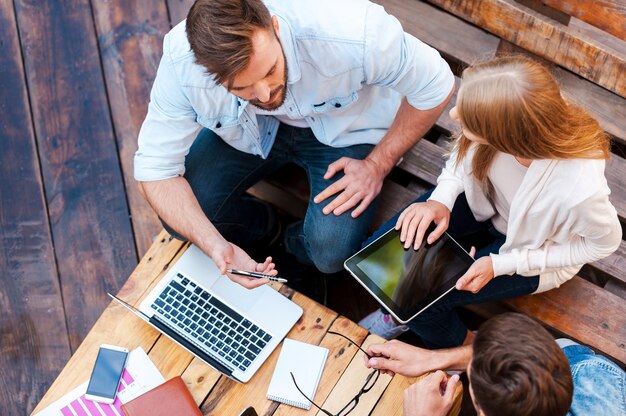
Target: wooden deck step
578,310
549,39
465,44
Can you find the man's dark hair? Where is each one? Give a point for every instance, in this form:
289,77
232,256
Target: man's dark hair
220,34
518,369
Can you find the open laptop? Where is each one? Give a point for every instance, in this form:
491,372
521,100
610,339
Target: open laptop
406,282
227,326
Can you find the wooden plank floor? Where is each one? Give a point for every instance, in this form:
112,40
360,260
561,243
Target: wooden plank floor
75,77
74,82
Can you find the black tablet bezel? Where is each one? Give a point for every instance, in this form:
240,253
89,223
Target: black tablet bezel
401,315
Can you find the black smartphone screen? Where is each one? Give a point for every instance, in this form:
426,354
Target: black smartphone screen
106,373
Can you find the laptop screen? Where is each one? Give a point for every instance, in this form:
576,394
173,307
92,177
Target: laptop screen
407,281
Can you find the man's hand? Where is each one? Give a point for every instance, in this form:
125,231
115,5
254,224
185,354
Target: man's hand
360,184
415,219
227,255
431,396
397,357
477,276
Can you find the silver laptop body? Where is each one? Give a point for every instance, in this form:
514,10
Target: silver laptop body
229,327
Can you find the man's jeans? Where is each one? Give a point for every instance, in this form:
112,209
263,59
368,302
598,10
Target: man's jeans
439,326
599,384
219,175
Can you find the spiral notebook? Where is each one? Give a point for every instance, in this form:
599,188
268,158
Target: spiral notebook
306,362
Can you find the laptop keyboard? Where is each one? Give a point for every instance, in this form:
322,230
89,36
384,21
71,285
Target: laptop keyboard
215,326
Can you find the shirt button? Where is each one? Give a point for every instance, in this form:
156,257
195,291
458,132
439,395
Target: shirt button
218,125
337,105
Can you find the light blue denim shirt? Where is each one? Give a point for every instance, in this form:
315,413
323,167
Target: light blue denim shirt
349,65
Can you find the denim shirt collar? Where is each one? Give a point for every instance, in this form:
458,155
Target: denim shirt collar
288,43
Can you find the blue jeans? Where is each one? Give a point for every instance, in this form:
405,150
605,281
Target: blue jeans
599,384
439,326
219,176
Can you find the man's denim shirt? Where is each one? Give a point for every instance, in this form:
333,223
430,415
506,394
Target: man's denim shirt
349,65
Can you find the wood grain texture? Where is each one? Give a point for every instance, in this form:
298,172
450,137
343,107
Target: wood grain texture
130,36
351,382
465,44
608,15
544,9
597,35
84,188
616,288
601,323
170,359
117,325
34,343
200,379
178,10
427,23
229,396
534,32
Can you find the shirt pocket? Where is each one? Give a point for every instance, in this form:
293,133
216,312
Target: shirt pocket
335,104
227,127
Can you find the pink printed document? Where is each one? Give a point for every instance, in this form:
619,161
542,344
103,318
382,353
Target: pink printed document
139,376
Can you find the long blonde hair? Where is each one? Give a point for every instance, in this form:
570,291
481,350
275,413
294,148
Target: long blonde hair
515,104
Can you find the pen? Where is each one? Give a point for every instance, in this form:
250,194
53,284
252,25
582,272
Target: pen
257,275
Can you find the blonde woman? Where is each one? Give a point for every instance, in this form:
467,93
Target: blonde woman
527,172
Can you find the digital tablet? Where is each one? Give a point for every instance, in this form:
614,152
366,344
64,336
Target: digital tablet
406,282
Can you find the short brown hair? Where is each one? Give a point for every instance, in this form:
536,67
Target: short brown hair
518,369
220,34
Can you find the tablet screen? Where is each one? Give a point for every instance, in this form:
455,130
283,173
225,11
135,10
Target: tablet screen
407,281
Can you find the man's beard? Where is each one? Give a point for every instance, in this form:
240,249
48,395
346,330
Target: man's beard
280,91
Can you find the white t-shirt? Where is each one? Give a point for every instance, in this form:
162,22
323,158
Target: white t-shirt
281,114
506,175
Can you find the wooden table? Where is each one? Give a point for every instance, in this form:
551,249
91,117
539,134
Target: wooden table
344,372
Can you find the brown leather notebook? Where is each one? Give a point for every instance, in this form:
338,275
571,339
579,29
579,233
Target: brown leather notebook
170,398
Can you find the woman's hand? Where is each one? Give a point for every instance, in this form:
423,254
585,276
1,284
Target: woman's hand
415,219
477,276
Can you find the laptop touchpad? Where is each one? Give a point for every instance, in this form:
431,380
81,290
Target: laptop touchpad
237,295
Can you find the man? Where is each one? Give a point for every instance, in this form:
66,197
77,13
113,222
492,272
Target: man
514,367
335,87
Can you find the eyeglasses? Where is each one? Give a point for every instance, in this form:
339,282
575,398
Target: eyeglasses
370,382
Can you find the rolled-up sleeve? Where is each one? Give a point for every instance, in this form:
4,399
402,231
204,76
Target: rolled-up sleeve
169,129
596,233
400,61
450,182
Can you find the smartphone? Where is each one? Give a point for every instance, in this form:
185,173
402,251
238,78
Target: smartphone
106,374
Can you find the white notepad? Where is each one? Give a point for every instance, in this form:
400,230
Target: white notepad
306,362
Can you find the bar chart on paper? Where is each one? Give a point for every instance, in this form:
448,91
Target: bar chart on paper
85,407
139,376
